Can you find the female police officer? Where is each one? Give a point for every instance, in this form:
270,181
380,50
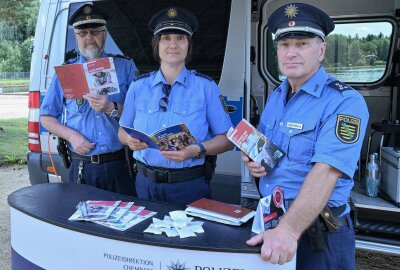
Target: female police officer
169,96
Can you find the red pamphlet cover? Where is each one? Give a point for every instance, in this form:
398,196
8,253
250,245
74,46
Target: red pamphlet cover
97,76
231,210
73,80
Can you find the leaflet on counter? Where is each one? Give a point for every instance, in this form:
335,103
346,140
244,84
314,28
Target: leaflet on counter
255,145
172,138
219,211
113,214
94,210
95,76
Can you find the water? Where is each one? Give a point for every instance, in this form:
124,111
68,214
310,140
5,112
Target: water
372,176
364,75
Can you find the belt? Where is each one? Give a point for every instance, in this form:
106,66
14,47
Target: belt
164,175
336,211
97,159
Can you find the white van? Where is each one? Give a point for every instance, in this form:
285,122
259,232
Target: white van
234,47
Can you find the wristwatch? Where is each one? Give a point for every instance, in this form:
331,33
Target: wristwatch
202,153
114,112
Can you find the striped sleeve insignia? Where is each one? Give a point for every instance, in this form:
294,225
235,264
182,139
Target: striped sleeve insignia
347,128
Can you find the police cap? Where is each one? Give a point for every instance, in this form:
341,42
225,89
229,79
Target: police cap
173,20
88,16
299,20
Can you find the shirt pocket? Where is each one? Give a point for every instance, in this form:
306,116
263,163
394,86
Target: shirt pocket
301,135
191,113
73,108
146,116
267,128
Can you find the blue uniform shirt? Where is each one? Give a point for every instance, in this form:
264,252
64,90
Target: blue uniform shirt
194,100
324,121
97,127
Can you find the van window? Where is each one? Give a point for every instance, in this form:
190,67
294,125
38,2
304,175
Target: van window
128,33
356,52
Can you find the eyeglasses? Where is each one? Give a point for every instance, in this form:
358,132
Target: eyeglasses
166,89
84,33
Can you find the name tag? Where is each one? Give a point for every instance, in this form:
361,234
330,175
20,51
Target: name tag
294,125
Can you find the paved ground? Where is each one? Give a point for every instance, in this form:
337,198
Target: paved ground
11,179
13,106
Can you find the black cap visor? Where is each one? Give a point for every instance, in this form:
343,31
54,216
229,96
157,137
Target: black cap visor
89,25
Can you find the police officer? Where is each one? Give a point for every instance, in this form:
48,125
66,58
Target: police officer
320,123
169,96
90,125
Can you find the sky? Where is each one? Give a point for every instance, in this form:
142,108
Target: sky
363,29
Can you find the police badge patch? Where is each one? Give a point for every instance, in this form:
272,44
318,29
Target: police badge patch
347,128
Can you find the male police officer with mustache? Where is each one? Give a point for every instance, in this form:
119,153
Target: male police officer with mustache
91,124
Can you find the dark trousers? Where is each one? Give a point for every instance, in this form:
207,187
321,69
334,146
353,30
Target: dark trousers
111,175
339,253
180,193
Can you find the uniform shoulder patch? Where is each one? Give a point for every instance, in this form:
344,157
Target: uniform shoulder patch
142,76
201,75
347,128
340,86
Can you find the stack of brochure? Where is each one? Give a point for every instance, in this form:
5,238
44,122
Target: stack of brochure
219,212
113,214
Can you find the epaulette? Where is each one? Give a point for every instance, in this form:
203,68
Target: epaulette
340,86
201,75
145,75
118,56
71,61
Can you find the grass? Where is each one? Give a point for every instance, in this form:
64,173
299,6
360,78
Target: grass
14,86
13,141
13,82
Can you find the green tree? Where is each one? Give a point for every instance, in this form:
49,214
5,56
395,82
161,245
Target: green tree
17,26
10,56
355,53
20,14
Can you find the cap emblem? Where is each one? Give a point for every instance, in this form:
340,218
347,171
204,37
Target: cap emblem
292,23
172,13
291,11
87,10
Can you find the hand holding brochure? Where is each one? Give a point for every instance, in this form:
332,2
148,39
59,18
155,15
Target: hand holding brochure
173,138
95,76
255,144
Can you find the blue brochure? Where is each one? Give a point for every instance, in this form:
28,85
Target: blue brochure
173,138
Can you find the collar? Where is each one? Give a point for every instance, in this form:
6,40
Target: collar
313,86
316,83
183,78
